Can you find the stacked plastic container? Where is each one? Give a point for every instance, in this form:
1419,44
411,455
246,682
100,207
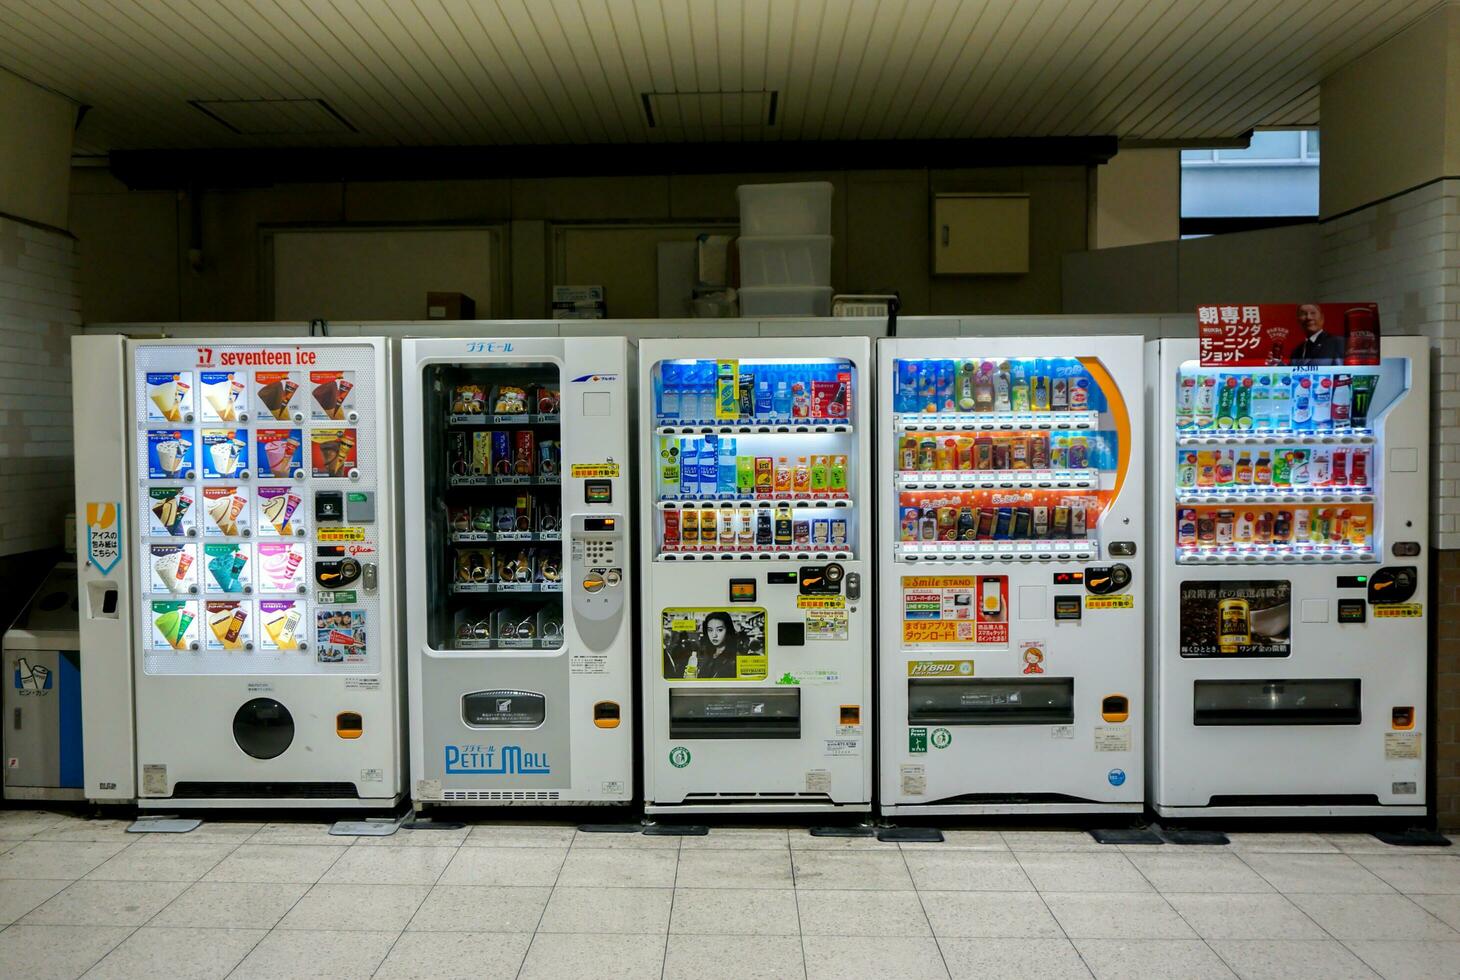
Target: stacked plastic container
785,249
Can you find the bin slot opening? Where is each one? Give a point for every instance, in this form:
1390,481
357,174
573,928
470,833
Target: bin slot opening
1268,701
735,712
991,701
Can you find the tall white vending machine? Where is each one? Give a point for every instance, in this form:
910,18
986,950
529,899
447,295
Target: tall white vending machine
518,560
238,525
756,599
1290,531
1011,528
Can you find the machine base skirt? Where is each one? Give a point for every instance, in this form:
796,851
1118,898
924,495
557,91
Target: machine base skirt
1229,812
994,809
723,808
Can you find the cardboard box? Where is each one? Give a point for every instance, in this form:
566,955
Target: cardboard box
579,303
450,306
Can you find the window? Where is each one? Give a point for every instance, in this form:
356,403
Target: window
1273,181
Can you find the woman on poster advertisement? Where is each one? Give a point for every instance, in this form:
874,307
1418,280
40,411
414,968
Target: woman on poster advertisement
714,651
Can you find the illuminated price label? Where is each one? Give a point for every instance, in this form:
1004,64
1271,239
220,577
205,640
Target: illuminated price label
340,534
1402,610
594,471
1110,602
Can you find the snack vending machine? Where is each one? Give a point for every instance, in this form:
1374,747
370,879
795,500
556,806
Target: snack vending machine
756,604
519,620
1290,531
1011,529
239,598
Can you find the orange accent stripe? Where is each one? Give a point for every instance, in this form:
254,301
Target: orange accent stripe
1118,413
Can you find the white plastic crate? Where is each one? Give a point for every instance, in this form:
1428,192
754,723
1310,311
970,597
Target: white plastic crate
785,260
785,209
785,301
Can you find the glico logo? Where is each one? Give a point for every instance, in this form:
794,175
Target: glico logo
491,760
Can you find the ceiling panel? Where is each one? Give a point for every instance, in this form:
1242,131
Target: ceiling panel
501,72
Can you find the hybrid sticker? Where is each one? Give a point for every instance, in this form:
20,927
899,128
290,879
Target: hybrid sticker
174,625
281,566
280,619
679,757
103,535
955,609
169,396
331,391
225,454
170,454
276,390
940,668
174,569
332,453
340,636
228,512
493,760
1116,777
230,626
278,507
227,568
279,452
167,510
221,393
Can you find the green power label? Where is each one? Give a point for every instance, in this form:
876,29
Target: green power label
917,740
679,757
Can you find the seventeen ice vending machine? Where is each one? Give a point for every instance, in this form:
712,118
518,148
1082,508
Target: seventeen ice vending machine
237,518
1290,529
1011,527
756,609
519,618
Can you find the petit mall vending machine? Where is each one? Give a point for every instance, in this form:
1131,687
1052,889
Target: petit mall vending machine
1011,526
756,604
1290,531
237,518
519,619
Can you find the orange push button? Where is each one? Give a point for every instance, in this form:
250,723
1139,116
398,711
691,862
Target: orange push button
349,725
1115,707
606,714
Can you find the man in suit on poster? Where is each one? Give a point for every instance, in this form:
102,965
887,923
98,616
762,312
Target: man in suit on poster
1317,346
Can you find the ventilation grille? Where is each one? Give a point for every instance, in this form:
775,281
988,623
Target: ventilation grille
274,117
758,797
499,796
265,791
710,112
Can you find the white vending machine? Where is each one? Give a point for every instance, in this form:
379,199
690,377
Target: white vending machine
756,604
239,604
1290,554
520,625
1011,529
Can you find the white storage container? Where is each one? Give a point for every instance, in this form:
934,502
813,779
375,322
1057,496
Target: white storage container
785,301
785,261
785,209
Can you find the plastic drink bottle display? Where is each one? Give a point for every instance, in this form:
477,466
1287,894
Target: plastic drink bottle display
1002,382
1018,387
783,526
966,373
781,400
1280,402
709,467
728,483
1079,394
1244,404
983,387
1303,403
1261,402
1059,395
1226,398
1323,403
1262,471
947,396
1039,394
1205,409
1343,396
1186,469
1244,468
669,391
745,476
708,392
1185,402
689,467
763,393
669,463
783,476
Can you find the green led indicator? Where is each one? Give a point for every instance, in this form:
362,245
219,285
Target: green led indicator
1362,579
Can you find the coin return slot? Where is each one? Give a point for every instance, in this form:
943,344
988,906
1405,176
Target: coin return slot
1115,708
606,714
1403,719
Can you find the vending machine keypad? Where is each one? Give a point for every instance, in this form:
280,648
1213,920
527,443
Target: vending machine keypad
599,593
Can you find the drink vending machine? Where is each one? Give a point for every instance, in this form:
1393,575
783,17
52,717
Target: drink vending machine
756,610
1290,528
1011,525
238,525
520,626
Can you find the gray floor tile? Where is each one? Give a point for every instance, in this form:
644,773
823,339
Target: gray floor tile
1406,960
1116,915
734,912
89,830
19,895
455,956
802,840
416,838
53,859
315,953
504,866
56,952
738,839
511,835
1364,844
1416,874
733,958
1051,840
851,869
622,911
1446,908
1329,873
986,871
621,842
1107,871
828,912
884,957
293,863
1173,870
1297,959
389,866
210,832
734,869
1219,916
299,832
1152,959
229,904
178,954
381,908
1012,959
1350,917
480,908
989,915
963,840
105,903
148,861
1292,843
634,868
22,824
564,956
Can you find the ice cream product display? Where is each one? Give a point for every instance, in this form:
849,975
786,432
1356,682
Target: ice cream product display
224,396
332,452
169,511
230,625
227,511
169,396
174,625
278,512
276,391
281,566
228,568
225,454
331,391
281,619
170,454
174,568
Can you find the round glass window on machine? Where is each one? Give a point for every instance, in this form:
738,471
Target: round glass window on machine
263,728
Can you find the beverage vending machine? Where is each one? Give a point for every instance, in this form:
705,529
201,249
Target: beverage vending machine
519,620
756,606
237,516
1011,525
1290,528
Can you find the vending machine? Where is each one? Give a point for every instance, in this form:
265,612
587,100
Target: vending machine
518,563
1011,529
1290,530
237,524
756,600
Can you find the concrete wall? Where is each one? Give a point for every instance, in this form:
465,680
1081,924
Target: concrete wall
1137,199
135,263
35,151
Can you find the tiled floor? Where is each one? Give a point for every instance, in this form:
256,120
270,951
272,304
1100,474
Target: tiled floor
241,900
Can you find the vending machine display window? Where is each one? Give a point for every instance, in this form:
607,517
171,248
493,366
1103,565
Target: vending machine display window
494,491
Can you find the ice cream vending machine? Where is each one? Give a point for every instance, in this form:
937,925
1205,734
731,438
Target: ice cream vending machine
237,523
1011,529
1290,555
519,568
756,601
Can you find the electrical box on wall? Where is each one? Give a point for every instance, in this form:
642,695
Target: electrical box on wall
980,234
